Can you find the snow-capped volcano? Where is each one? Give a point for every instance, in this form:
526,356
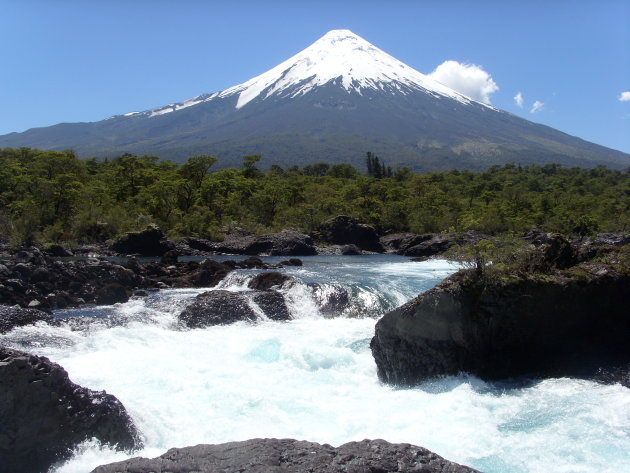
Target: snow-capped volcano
339,55
333,101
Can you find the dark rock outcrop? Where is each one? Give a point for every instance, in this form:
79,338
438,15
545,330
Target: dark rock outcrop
285,243
428,244
399,242
58,251
170,257
344,230
148,242
292,456
45,415
568,322
350,250
267,280
435,244
111,293
614,239
273,305
36,280
15,316
331,299
48,284
217,308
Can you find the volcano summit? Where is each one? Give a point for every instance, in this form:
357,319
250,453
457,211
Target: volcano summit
333,101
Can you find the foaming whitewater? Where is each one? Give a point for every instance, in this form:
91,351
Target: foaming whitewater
314,378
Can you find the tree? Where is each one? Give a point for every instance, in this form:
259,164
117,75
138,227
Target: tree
197,168
249,165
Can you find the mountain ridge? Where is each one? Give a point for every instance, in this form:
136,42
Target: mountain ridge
332,101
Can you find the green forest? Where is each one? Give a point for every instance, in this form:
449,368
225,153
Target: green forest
51,196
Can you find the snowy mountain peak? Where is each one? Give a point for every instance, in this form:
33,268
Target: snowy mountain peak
341,55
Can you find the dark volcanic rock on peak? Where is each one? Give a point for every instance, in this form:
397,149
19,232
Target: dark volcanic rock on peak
292,456
45,415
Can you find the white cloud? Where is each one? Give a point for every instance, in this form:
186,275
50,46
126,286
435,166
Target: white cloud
518,98
537,107
624,97
467,79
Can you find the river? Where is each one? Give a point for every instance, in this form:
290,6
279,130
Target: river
314,378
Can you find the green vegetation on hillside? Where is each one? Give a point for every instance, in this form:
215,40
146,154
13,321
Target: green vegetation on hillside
54,196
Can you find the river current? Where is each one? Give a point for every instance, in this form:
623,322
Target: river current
314,378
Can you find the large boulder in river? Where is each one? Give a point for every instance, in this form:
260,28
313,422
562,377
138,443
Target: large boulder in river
272,304
285,243
16,316
567,322
267,280
217,308
292,456
45,415
344,230
148,242
112,293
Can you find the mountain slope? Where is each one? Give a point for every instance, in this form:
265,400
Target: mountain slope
333,101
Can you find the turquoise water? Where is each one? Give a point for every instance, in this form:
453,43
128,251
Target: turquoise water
314,379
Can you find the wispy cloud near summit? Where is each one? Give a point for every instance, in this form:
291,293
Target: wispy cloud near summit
537,107
468,79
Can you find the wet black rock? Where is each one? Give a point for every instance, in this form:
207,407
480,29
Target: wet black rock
567,322
217,308
272,304
111,293
45,415
349,250
292,262
170,257
16,316
209,274
331,299
292,456
148,242
36,280
285,243
267,280
344,230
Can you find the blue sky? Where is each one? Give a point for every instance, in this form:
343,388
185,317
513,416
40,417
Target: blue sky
69,61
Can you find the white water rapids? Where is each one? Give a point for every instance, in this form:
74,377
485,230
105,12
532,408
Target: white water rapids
314,379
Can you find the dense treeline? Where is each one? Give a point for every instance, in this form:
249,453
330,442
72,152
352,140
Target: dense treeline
54,196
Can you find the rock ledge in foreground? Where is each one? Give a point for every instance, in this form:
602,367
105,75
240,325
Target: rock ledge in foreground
292,456
572,322
44,415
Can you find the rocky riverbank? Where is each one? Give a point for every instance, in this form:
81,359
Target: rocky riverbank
565,315
33,279
292,456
